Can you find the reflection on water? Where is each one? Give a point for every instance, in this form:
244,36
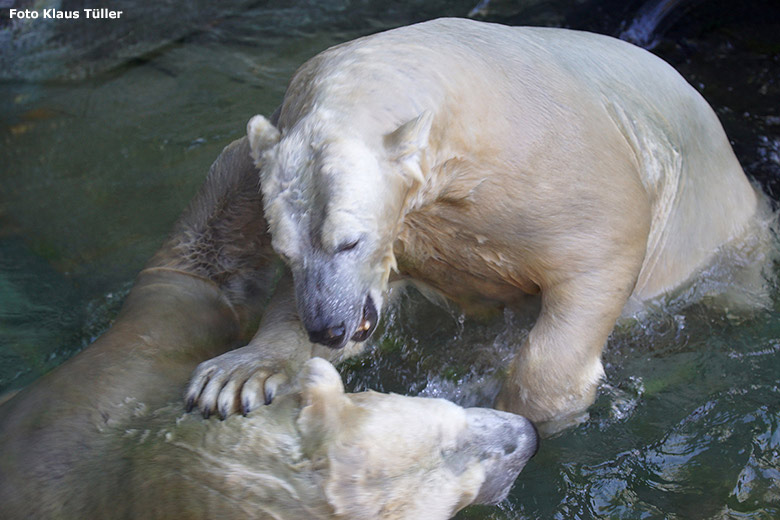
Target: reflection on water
95,171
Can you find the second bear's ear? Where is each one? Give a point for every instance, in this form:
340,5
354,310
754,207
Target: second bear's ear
262,135
319,380
407,142
322,393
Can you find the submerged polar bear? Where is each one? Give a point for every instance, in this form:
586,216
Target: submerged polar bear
486,162
104,435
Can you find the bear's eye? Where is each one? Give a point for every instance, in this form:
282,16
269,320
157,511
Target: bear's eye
347,246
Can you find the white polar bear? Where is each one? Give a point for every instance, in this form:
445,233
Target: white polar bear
486,162
104,435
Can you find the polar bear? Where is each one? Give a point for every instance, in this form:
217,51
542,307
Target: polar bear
105,436
485,162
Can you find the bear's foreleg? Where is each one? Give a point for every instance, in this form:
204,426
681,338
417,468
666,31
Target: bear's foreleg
247,377
243,378
554,376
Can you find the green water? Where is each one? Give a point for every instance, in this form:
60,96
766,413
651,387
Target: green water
94,171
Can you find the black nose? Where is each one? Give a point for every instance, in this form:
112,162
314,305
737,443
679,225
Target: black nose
332,337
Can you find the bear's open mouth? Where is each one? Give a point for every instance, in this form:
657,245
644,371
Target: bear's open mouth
368,321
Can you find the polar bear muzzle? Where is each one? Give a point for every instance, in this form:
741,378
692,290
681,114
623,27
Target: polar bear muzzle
336,335
504,442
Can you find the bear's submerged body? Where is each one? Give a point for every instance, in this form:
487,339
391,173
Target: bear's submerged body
105,435
490,162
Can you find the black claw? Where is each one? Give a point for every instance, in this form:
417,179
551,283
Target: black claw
190,405
245,409
206,413
222,414
269,397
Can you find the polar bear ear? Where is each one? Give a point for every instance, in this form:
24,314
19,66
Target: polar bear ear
407,142
319,380
262,135
322,393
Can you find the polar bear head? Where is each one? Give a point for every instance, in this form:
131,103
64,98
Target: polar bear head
389,456
334,205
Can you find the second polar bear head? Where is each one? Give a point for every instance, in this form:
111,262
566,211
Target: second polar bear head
334,204
392,456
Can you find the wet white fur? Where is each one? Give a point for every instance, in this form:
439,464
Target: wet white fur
489,161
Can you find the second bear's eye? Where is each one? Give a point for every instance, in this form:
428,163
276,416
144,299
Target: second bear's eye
347,246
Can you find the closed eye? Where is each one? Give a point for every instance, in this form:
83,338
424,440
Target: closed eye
347,246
